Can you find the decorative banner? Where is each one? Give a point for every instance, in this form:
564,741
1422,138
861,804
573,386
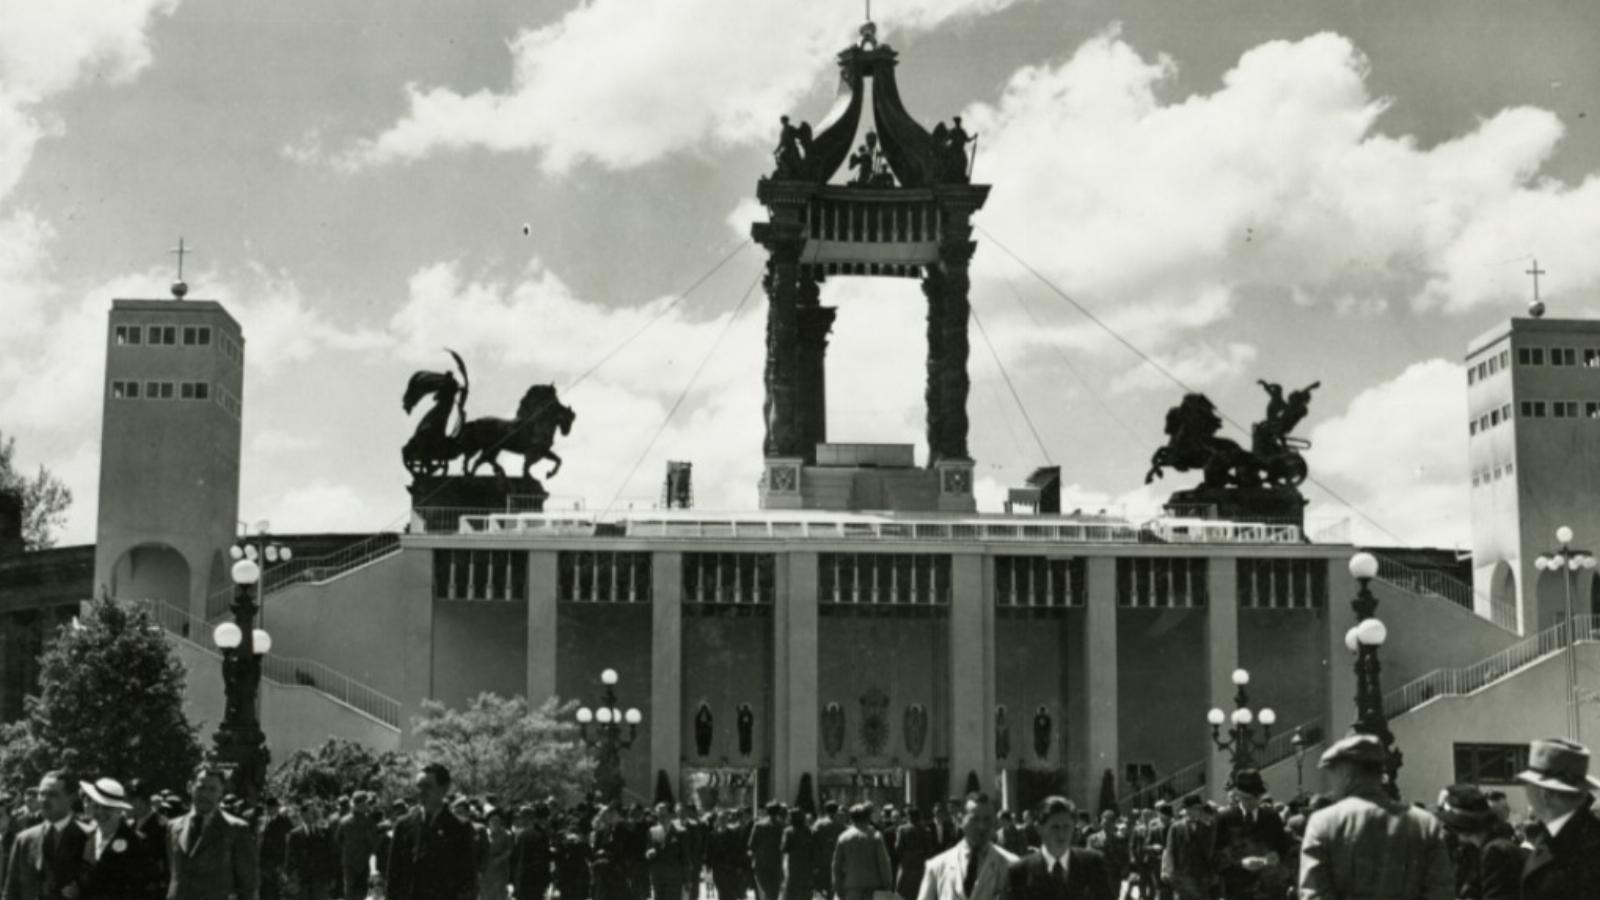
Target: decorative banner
1002,733
703,722
874,721
1041,732
862,778
916,728
833,728
746,724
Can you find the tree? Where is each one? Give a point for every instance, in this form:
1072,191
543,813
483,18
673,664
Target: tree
110,703
501,746
44,498
340,766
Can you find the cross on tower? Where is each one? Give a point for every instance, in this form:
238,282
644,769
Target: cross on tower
180,251
1535,272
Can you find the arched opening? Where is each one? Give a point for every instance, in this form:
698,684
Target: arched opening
152,572
1503,594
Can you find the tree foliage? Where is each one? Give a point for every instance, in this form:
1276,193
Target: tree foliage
341,766
110,703
44,498
501,746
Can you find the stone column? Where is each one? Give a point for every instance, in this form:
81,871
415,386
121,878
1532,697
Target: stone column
933,394
664,717
1101,743
795,716
784,401
814,322
1222,657
954,311
971,672
542,643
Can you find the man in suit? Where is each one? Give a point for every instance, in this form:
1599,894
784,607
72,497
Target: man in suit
274,843
1058,870
1486,867
1251,843
945,832
47,859
150,832
311,859
766,851
1188,864
668,855
1368,844
357,836
531,855
1558,786
210,853
974,869
431,853
915,844
824,837
860,860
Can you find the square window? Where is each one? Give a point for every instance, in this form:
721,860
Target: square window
1472,376
1591,410
119,390
166,390
152,390
202,390
1509,469
1472,427
205,335
1538,409
1505,359
186,391
1569,356
1505,413
1526,408
1494,417
1476,479
1524,356
1591,358
1538,356
1558,409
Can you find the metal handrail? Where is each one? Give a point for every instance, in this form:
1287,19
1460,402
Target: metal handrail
1431,582
316,570
289,671
1178,783
1459,682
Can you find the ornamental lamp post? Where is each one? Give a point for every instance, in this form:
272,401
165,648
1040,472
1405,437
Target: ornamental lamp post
1363,639
1298,742
606,737
260,549
1567,560
241,744
1242,743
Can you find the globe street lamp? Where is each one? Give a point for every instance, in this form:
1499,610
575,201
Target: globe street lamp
260,549
241,744
1567,560
1363,639
1242,742
606,723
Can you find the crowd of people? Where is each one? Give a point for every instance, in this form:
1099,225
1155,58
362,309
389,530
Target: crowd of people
101,839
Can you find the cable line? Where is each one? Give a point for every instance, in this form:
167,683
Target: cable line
728,326
1011,387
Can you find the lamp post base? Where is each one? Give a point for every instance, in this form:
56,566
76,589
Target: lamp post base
243,754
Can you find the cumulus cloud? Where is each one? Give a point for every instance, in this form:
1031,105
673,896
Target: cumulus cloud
1196,365
624,82
1279,179
1398,453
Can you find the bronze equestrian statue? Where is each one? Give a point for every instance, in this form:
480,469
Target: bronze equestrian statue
1273,461
435,443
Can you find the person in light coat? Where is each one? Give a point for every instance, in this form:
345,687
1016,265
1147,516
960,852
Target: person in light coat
975,868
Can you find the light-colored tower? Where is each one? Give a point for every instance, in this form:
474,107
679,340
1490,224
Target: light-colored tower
1533,401
169,450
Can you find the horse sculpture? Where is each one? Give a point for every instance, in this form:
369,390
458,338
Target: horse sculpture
531,433
1273,460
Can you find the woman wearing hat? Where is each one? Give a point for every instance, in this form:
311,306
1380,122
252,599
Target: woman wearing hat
113,855
1487,867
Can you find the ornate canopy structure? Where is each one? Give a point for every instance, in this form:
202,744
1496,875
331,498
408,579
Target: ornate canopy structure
906,213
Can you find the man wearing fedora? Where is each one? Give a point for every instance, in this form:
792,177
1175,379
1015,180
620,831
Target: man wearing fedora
1188,866
1488,867
47,859
1251,843
1367,844
1566,866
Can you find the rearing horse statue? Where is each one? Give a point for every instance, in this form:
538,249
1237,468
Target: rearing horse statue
531,433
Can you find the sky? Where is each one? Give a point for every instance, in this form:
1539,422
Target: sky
1343,191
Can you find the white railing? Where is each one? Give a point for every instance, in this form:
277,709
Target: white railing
288,671
798,526
1433,583
1178,783
315,570
1463,681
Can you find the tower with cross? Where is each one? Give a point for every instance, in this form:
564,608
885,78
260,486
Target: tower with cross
900,206
1533,435
169,448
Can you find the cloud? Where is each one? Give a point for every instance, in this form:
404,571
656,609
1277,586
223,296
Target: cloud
622,83
1278,180
1196,365
320,506
1398,453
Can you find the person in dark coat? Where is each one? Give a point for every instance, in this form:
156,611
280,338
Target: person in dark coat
668,855
608,879
357,837
766,851
532,854
1486,867
572,855
824,837
1251,843
725,849
117,865
311,856
915,844
946,833
47,859
431,852
150,830
1058,870
1188,863
210,851
798,857
628,851
694,834
1566,865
